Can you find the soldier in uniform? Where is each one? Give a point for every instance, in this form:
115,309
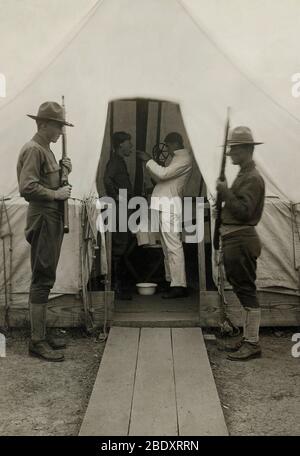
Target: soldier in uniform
116,177
242,211
39,183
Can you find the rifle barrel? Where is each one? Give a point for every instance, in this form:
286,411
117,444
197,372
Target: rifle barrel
216,238
64,171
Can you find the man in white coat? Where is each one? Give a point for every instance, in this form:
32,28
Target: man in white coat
166,203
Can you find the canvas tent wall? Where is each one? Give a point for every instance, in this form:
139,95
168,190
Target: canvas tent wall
160,50
124,49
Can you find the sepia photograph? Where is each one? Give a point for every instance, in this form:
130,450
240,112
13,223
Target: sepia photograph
149,221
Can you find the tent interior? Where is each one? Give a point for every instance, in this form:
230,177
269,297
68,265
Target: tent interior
148,122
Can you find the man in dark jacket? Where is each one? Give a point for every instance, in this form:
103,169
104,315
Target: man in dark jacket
39,183
116,178
242,211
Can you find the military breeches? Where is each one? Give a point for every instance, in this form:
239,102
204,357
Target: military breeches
241,250
44,232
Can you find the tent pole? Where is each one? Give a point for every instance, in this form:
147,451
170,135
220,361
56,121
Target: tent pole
201,265
158,122
202,272
111,118
142,107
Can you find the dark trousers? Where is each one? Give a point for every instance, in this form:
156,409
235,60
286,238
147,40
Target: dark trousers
44,232
120,245
241,250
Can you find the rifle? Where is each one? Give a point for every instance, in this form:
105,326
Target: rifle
64,171
218,207
227,328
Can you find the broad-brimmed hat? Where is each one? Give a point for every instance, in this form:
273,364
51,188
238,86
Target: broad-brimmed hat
50,110
241,135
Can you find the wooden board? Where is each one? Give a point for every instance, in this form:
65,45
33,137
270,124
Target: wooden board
154,406
155,303
156,319
154,382
277,309
109,408
199,408
63,311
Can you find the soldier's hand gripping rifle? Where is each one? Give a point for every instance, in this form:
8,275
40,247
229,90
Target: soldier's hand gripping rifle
64,170
218,206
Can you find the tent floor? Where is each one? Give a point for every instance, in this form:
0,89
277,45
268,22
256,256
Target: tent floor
155,311
278,309
147,385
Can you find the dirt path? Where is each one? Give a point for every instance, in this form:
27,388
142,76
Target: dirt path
42,398
261,396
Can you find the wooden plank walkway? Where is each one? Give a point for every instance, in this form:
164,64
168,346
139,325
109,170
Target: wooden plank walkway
154,381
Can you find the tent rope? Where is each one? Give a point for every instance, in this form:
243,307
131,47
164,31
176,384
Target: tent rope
89,243
7,278
85,265
227,327
296,237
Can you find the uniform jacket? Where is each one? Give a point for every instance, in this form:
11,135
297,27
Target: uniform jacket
171,180
116,177
245,203
38,171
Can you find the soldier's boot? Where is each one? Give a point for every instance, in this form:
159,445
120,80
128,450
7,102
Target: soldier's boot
38,346
250,347
175,292
230,344
57,343
247,351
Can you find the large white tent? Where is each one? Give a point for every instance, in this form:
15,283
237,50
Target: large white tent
203,55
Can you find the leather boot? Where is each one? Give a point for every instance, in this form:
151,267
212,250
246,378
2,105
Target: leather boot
230,344
175,292
38,346
57,343
246,351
